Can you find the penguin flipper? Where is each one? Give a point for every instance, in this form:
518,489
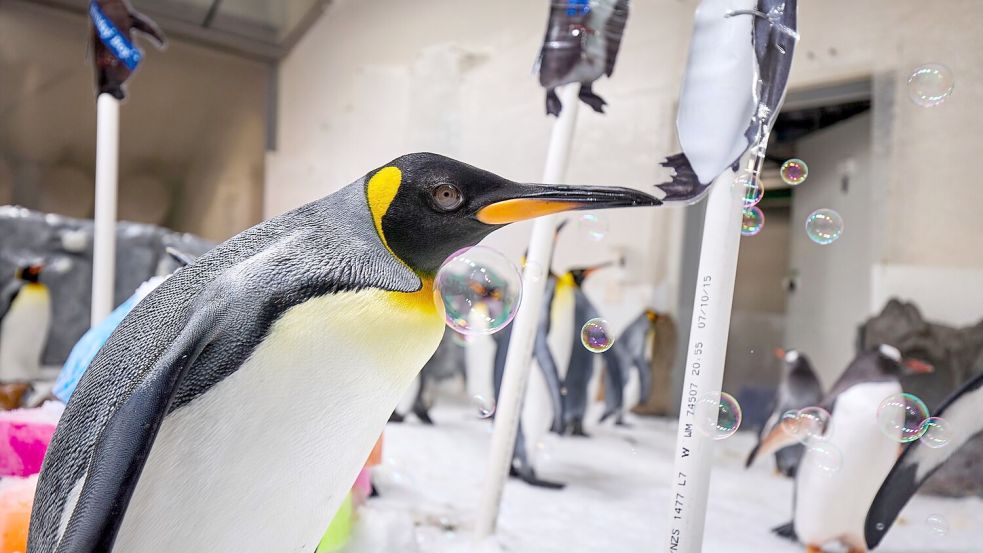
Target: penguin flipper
182,258
143,24
550,372
918,462
124,444
614,29
8,295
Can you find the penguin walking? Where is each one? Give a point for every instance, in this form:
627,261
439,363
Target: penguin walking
918,462
831,505
114,54
739,62
581,45
799,388
25,315
247,390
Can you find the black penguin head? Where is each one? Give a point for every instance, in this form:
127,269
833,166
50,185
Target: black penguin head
580,274
426,206
30,272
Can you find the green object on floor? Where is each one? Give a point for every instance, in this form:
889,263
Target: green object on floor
340,529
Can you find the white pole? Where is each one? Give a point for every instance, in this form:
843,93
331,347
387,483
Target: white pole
526,321
104,234
704,364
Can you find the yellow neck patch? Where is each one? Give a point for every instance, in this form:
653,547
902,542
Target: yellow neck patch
423,300
380,192
564,280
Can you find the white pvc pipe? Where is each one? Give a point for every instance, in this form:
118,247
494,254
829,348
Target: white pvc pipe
104,234
704,364
519,358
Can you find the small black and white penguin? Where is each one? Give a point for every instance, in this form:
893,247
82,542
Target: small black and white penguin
740,57
245,393
838,477
918,462
798,388
582,362
25,316
581,46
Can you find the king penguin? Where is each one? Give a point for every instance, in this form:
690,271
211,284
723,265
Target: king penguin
832,499
25,314
580,369
799,388
245,392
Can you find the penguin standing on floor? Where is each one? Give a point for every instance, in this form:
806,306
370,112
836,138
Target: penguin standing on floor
743,51
581,46
25,315
577,378
114,55
961,413
246,391
799,388
831,505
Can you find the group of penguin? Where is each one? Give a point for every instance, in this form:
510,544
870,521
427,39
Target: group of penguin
856,503
562,377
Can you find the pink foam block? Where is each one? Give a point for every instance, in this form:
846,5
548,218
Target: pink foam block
24,437
363,485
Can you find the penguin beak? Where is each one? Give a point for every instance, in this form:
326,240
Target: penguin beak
779,353
776,439
526,201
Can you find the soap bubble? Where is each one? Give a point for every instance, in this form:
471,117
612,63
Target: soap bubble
794,172
753,221
936,432
718,415
479,290
825,456
485,406
752,189
937,524
593,226
824,226
901,417
807,424
596,335
930,84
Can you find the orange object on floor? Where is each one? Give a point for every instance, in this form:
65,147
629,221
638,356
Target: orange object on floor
16,497
375,458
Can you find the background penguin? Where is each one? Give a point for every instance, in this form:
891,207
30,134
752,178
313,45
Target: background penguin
247,390
577,377
833,506
111,72
581,45
798,388
918,462
25,314
730,102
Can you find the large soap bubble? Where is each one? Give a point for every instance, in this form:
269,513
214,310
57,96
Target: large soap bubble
479,290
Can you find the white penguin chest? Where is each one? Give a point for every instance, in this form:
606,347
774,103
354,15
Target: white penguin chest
23,333
833,504
261,461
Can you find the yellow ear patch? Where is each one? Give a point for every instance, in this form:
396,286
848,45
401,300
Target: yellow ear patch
380,192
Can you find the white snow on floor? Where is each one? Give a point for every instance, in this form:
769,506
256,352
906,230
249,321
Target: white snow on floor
616,498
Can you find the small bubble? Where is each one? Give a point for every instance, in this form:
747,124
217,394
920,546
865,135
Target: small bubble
936,432
718,415
592,226
930,84
753,189
596,335
484,406
880,526
794,172
937,524
824,226
901,417
753,221
825,456
807,425
478,289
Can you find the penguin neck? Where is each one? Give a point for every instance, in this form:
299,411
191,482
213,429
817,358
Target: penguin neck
422,300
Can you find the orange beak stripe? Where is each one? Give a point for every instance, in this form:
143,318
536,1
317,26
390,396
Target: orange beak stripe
520,209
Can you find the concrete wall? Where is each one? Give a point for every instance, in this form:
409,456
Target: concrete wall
192,129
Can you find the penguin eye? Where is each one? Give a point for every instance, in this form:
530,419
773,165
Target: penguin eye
447,197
